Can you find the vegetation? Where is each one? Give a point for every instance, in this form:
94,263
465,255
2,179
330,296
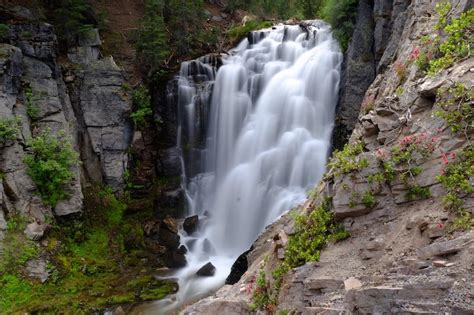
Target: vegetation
4,30
32,109
341,15
49,163
165,36
456,180
452,43
238,32
142,106
455,108
9,128
348,159
312,233
93,262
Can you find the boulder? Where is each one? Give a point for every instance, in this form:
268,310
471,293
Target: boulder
35,231
446,248
239,267
208,270
174,259
190,224
352,283
170,224
38,269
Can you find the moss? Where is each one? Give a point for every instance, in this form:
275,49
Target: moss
92,261
239,32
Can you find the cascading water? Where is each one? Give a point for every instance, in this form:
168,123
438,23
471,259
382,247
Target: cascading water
255,136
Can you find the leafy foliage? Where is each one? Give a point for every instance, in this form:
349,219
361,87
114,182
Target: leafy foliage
456,108
32,109
312,233
452,43
456,180
238,32
348,159
142,104
152,40
49,163
260,296
341,15
9,128
72,18
4,30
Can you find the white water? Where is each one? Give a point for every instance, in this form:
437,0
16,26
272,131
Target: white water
267,139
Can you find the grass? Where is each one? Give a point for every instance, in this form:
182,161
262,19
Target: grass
94,262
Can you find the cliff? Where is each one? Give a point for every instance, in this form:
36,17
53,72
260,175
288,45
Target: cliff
410,247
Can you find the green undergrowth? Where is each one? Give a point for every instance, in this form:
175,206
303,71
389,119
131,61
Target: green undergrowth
456,179
452,42
239,32
94,261
312,232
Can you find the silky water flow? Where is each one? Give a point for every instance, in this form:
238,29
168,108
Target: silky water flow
254,133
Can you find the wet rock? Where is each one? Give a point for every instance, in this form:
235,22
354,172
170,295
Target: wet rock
239,267
208,270
322,311
170,224
35,231
182,250
190,224
151,227
174,259
168,239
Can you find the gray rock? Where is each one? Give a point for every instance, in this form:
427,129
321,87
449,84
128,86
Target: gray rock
35,231
38,269
447,247
323,283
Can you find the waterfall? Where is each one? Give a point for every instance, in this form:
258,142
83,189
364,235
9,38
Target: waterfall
255,133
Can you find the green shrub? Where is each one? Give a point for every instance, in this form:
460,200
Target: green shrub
9,128
71,18
142,104
4,31
260,296
452,43
456,179
32,110
49,163
341,14
152,40
239,32
348,159
312,233
455,108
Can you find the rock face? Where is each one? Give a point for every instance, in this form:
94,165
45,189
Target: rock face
401,257
86,104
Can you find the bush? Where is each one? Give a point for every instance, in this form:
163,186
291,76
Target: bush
452,43
71,18
341,14
456,179
239,32
49,163
4,31
142,104
9,128
152,40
